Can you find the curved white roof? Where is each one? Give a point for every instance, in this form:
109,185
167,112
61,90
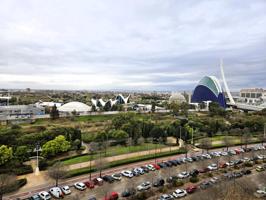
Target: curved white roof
74,106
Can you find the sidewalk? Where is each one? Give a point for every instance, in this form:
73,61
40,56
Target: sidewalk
122,157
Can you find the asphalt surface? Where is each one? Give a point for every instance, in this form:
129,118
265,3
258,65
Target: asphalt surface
119,186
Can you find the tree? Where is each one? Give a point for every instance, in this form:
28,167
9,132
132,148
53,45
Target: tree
7,182
216,109
153,106
246,139
206,144
22,153
57,172
227,141
54,114
6,154
156,132
55,146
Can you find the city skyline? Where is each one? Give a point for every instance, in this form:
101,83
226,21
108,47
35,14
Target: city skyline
125,45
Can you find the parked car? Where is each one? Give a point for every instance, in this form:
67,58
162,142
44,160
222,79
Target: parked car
259,169
246,171
224,153
144,186
179,193
80,186
127,173
145,169
117,176
204,170
56,192
237,174
92,198
162,165
44,195
183,175
89,184
150,167
194,172
159,182
108,178
128,192
213,167
204,185
214,180
166,197
35,197
66,190
190,189
222,165
157,167
97,181
112,196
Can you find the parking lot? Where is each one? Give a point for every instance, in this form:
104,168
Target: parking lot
119,186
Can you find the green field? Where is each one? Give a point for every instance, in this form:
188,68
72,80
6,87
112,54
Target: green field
112,151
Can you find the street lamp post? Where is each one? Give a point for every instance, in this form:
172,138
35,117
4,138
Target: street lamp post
37,149
91,151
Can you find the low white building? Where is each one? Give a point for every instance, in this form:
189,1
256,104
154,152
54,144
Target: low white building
78,107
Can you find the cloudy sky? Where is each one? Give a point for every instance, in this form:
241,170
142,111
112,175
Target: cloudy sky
131,44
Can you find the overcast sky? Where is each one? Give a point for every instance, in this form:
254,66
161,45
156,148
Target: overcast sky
131,44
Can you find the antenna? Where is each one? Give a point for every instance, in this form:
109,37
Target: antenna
225,84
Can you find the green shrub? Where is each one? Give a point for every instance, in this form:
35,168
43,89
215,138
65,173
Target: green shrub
248,164
178,183
194,179
23,169
210,174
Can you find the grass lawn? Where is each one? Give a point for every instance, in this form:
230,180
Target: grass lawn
112,151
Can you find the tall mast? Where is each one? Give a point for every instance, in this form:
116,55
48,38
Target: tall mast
225,84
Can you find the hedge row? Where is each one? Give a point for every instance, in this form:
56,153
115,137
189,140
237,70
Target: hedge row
86,170
16,185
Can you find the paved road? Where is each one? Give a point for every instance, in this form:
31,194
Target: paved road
35,189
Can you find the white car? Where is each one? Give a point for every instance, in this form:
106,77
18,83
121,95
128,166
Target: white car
80,186
56,192
44,195
127,173
183,175
144,186
214,180
206,156
117,177
179,193
213,167
66,190
261,157
224,153
150,167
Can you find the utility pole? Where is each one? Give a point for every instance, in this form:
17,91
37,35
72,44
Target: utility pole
91,151
37,149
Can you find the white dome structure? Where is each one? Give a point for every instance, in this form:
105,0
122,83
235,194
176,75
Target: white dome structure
74,106
177,98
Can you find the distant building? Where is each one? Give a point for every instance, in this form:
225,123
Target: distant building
209,90
120,99
78,107
253,95
20,111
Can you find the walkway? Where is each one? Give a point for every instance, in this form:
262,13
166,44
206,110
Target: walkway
123,156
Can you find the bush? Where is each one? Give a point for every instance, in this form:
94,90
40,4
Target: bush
23,169
16,185
194,179
178,183
249,164
163,189
210,174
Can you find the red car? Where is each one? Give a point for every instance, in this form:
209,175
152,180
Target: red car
157,167
204,170
97,181
112,196
191,189
222,165
89,184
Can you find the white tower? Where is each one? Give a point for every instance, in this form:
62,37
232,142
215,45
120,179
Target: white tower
232,102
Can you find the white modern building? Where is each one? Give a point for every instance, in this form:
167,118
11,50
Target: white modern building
78,107
120,99
252,95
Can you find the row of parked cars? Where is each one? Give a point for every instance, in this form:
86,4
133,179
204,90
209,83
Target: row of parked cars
59,192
